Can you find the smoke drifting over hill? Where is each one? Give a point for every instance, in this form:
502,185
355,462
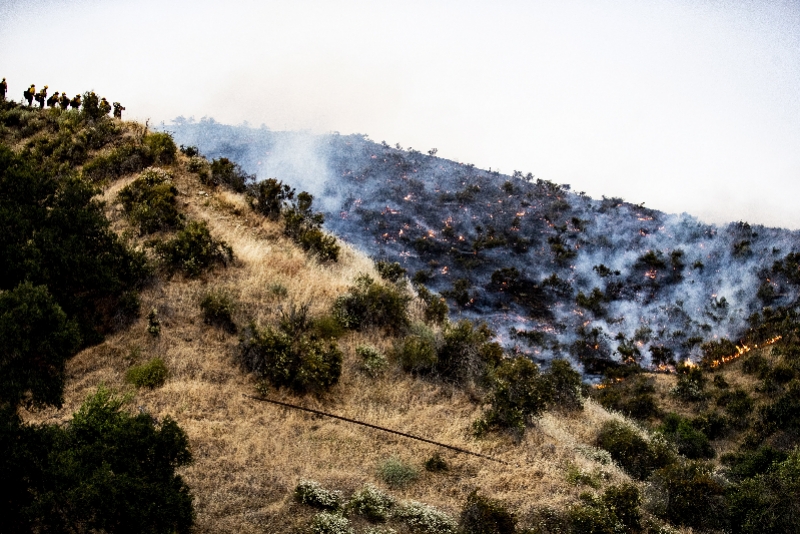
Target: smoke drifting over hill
554,272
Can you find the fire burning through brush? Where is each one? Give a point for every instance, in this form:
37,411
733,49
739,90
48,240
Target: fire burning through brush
741,351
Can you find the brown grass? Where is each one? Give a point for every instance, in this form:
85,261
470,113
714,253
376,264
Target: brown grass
249,455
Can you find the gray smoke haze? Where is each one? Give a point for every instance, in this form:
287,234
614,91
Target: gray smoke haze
660,281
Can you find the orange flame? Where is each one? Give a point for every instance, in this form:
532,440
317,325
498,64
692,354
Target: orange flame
741,351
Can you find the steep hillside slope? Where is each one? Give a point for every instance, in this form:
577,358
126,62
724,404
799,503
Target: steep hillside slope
555,273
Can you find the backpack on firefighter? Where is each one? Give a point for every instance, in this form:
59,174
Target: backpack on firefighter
105,107
53,100
29,94
118,109
3,88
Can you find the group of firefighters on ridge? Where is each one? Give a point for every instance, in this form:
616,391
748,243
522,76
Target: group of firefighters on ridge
63,101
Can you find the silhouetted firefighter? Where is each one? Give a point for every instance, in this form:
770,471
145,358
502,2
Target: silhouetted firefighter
29,94
104,106
41,96
3,88
75,102
118,109
53,100
64,101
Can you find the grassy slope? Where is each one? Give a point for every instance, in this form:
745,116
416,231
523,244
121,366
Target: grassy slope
249,456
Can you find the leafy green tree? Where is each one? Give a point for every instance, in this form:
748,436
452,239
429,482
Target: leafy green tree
36,339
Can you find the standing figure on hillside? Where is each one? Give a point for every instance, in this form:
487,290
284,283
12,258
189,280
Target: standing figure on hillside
40,97
29,94
75,102
3,88
105,107
118,109
64,102
53,100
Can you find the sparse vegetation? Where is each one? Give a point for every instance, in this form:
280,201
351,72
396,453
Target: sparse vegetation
396,473
218,308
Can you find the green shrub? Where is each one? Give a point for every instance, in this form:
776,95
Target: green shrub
623,502
294,359
150,202
750,463
320,244
436,309
738,405
372,361
689,495
161,147
106,471
391,272
312,493
425,519
637,456
436,464
482,515
466,352
190,151
396,473
564,384
193,250
689,441
218,308
767,503
518,394
151,375
372,503
303,226
368,303
327,327
125,159
416,352
271,197
230,174
691,383
36,338
328,523
591,517
755,365
546,520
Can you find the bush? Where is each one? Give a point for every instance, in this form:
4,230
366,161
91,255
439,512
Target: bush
271,197
371,304
436,464
396,473
436,309
592,517
150,202
125,159
106,471
466,352
297,359
312,493
391,272
637,456
425,519
689,495
564,384
416,352
623,502
691,383
767,503
518,394
151,375
372,503
689,441
161,147
482,515
218,308
230,174
747,464
36,338
372,361
303,226
327,523
193,250
738,405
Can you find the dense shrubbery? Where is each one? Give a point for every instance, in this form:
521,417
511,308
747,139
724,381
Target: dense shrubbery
636,455
271,197
688,440
56,234
617,510
160,147
436,309
193,250
372,503
305,228
105,471
151,375
390,271
291,356
230,174
312,493
124,159
372,361
687,493
150,202
368,304
633,397
425,519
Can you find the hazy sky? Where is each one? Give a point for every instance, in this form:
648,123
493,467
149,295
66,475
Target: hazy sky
684,105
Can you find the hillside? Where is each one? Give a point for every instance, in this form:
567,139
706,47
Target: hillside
571,464
554,272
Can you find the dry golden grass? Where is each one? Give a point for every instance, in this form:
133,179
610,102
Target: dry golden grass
249,456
